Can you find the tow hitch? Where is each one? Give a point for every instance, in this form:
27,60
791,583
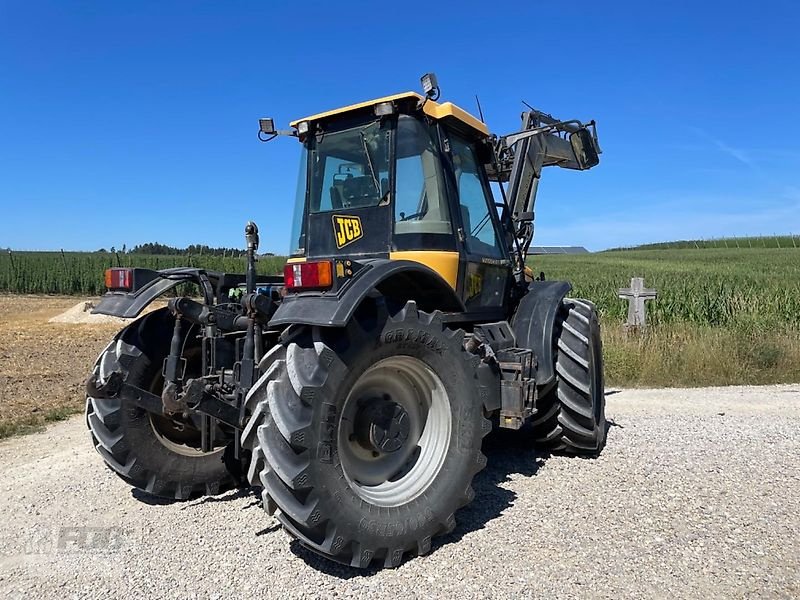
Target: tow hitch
197,397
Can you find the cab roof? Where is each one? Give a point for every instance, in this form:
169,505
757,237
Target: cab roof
446,111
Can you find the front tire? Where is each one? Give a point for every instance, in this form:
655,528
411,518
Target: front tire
571,412
366,438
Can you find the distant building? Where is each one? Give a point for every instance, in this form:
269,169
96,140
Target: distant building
557,250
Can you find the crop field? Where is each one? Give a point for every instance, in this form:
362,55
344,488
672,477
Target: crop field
723,315
709,287
754,242
81,273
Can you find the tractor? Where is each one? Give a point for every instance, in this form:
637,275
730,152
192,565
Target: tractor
355,390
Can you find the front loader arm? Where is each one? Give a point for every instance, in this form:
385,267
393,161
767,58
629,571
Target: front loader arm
542,142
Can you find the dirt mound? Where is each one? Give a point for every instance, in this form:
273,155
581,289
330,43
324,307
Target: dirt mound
82,313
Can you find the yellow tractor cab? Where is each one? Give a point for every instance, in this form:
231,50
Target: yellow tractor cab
402,178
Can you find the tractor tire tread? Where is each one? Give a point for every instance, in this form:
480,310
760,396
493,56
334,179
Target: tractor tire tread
282,447
568,423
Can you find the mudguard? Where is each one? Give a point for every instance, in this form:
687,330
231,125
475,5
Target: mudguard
129,305
400,279
149,285
146,284
534,321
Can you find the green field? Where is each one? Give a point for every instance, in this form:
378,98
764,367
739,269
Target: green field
81,273
713,287
751,243
723,315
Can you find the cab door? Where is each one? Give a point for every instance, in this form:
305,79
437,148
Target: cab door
485,270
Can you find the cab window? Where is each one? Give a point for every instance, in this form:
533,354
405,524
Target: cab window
350,169
421,214
475,200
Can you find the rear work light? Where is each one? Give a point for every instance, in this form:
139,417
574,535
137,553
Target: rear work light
119,279
308,275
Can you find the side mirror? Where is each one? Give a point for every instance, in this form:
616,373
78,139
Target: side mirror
584,147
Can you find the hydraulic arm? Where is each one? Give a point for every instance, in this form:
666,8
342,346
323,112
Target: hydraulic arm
542,142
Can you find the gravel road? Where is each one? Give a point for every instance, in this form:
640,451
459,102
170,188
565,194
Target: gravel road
697,495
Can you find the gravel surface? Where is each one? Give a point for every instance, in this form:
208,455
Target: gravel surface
697,494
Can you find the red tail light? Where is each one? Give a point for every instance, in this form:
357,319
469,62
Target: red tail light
119,279
308,275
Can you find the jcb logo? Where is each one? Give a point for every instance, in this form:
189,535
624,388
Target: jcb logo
346,229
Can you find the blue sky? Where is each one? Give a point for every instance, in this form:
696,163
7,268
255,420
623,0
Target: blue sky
128,122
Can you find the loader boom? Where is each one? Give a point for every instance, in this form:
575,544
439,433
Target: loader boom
543,141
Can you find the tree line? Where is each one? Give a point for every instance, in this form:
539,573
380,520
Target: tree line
155,248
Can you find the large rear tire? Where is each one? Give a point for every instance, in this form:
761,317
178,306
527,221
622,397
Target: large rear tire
571,412
366,438
158,455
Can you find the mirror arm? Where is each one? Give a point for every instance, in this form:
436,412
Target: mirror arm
282,132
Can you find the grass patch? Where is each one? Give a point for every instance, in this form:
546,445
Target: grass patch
684,355
35,422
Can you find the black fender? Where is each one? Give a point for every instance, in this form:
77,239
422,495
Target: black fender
129,305
151,333
534,321
400,280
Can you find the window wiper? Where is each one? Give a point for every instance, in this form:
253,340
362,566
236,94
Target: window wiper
369,163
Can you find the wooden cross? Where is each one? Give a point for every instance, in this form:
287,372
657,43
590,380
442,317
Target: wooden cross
636,295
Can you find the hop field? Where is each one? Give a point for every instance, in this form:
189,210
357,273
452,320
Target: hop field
81,273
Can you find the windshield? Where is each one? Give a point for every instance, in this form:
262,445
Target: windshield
350,168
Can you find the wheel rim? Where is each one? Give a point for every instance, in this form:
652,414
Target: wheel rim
394,431
181,437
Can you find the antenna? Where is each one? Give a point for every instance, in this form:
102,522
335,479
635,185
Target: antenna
480,110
